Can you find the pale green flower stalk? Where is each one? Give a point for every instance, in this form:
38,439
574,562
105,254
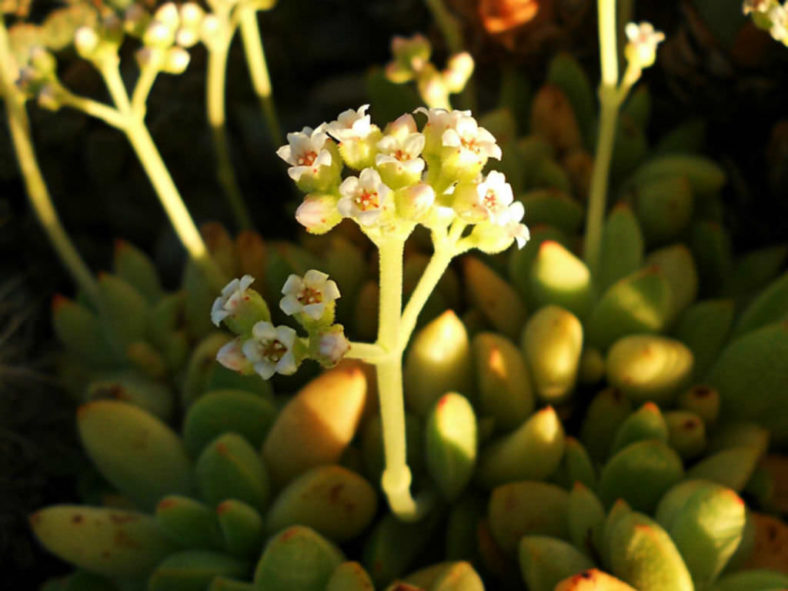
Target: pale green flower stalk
36,188
400,177
160,53
640,53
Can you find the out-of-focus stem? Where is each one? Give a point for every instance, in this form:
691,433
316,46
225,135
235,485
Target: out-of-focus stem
258,70
216,80
37,192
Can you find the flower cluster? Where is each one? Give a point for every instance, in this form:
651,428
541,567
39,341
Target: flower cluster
642,41
412,62
403,176
770,15
266,349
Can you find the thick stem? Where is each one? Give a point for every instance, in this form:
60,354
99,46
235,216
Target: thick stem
140,139
215,103
396,476
36,188
608,41
258,70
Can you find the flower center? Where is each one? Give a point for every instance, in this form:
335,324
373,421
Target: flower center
306,159
470,144
310,296
490,201
401,155
273,350
367,200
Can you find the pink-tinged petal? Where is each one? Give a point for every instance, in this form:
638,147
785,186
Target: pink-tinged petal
293,285
263,331
218,313
495,152
413,166
287,365
323,159
265,369
315,311
369,178
251,350
348,188
414,144
345,206
285,335
290,305
388,144
381,159
286,154
231,355
369,217
467,127
314,278
296,172
516,211
331,291
451,139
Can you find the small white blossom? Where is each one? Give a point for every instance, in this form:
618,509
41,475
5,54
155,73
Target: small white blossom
351,125
643,41
494,196
305,152
232,357
512,225
332,347
364,198
402,146
270,350
232,296
309,294
473,142
778,15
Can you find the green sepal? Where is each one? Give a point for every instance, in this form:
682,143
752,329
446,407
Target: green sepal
493,297
124,311
730,467
193,570
607,411
640,473
242,528
332,500
350,576
531,452
80,330
678,267
687,433
586,518
705,176
190,523
552,342
111,542
769,306
503,381
521,259
451,444
750,373
566,73
219,411
664,208
554,208
641,302
394,545
622,248
647,422
141,456
649,367
704,327
546,561
230,468
297,558
136,268
133,388
427,374
643,555
520,508
706,525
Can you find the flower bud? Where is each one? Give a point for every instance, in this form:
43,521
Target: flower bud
176,61
48,97
86,41
459,70
432,88
318,213
168,14
329,346
158,34
415,202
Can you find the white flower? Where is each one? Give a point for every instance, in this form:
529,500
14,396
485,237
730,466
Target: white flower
232,296
512,225
494,196
309,294
332,347
778,15
473,142
270,349
643,41
364,198
402,146
351,125
305,152
232,357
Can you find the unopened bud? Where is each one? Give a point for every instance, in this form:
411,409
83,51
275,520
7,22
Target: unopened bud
48,98
158,34
331,346
186,37
168,14
43,61
85,41
177,60
191,14
318,213
415,202
459,70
